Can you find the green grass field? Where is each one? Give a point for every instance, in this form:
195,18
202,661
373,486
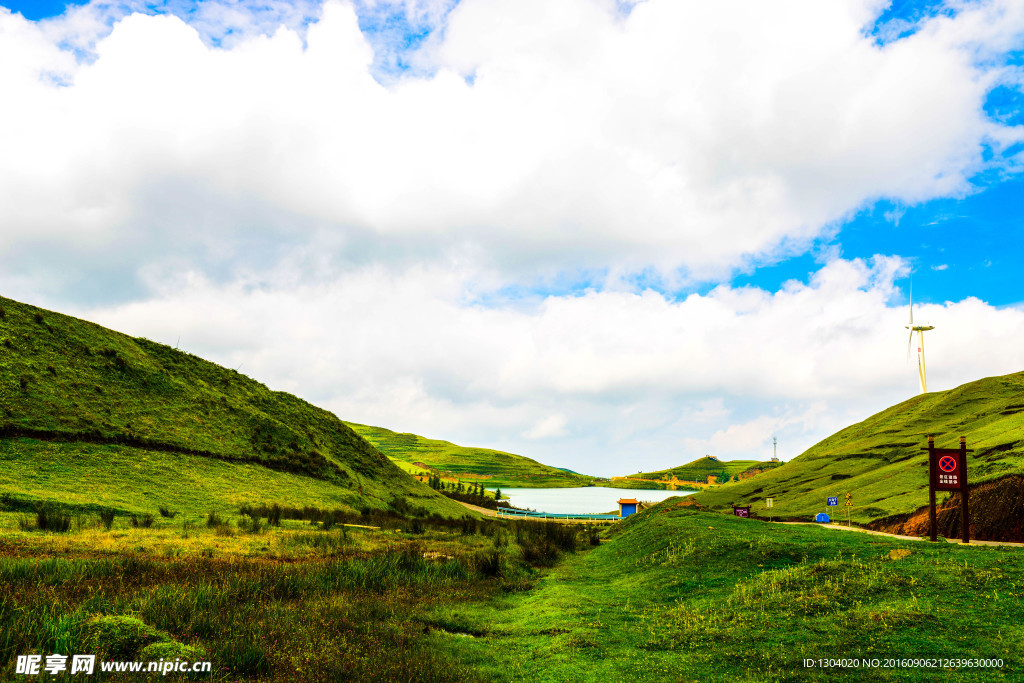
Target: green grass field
482,465
880,462
92,416
297,602
681,595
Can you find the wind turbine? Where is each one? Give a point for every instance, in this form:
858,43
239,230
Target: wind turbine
920,329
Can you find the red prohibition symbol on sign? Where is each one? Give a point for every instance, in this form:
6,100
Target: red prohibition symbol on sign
947,463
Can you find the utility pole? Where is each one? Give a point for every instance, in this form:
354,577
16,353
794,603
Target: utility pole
775,454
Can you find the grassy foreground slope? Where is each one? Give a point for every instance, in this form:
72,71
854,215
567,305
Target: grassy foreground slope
489,467
91,415
682,595
880,462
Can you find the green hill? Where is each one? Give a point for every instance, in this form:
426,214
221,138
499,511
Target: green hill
699,469
93,417
489,467
880,462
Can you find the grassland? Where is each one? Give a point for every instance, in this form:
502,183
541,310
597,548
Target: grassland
880,461
678,594
92,416
295,602
479,465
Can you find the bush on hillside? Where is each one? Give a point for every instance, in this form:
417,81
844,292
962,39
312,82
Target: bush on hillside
52,518
146,521
107,519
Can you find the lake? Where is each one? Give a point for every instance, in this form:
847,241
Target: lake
584,500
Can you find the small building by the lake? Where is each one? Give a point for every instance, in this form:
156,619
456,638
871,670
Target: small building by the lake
627,506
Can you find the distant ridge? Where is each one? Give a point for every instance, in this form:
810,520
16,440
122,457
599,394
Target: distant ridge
81,399
698,470
490,467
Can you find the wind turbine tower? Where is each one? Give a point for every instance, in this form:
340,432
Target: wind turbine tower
920,329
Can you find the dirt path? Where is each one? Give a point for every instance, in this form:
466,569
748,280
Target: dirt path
903,538
477,508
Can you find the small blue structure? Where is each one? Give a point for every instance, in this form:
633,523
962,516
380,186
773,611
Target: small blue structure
627,507
822,517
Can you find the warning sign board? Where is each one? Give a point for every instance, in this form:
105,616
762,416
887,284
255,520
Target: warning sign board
948,470
741,511
769,502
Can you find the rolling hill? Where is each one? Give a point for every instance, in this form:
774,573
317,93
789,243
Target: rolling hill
489,467
880,461
699,469
95,418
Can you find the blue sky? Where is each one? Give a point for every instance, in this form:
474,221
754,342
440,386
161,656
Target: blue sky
606,235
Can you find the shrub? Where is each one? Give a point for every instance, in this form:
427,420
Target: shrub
107,518
26,523
274,515
52,518
251,525
121,637
416,527
224,529
213,519
489,564
187,528
146,521
167,512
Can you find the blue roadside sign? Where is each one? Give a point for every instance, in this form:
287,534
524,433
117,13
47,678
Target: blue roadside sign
832,501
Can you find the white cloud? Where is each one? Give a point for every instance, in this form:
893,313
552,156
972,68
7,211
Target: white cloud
640,378
680,135
260,194
547,427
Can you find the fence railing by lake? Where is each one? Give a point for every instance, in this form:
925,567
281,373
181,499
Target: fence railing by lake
554,516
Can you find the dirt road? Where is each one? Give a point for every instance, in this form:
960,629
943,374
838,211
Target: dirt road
477,508
903,538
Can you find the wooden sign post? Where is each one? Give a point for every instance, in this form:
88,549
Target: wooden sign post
947,471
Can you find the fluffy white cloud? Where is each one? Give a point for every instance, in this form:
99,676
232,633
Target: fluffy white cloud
247,182
595,382
546,135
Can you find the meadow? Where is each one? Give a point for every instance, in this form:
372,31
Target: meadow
277,593
680,594
671,594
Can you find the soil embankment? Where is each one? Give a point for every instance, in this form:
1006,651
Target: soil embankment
996,510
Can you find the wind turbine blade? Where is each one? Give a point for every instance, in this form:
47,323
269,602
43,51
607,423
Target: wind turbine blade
910,341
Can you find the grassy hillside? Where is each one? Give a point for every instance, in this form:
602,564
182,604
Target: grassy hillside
699,469
94,416
880,462
489,467
682,595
